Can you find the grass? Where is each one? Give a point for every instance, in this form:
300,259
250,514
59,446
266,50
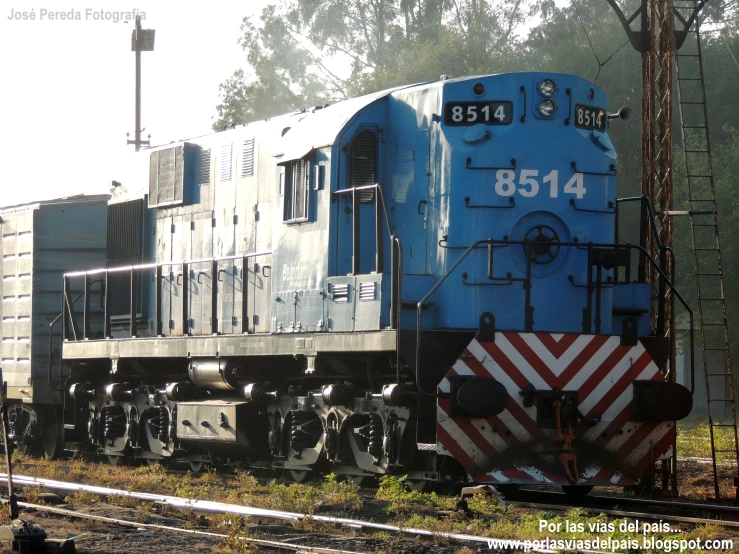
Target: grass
242,488
402,500
695,442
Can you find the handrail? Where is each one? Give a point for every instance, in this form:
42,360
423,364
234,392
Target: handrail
161,264
492,242
396,272
132,270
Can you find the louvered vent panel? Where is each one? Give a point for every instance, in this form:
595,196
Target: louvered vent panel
247,158
124,247
301,190
204,168
171,174
166,175
341,293
226,162
153,178
363,163
366,291
179,174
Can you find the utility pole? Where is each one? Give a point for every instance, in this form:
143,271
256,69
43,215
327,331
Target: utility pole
142,40
657,40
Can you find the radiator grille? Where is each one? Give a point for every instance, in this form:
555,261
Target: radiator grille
363,163
125,247
166,176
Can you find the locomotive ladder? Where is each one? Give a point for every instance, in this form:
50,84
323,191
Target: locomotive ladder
714,336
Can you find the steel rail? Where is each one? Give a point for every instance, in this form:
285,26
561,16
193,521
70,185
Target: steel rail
223,508
125,523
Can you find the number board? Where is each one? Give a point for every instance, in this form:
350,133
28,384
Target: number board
589,117
472,113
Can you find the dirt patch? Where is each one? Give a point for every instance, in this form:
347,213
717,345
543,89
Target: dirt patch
695,481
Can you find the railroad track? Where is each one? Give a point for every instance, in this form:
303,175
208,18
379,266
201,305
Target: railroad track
726,516
278,545
225,508
635,508
616,506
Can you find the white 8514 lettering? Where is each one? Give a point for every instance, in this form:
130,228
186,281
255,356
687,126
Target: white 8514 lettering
526,183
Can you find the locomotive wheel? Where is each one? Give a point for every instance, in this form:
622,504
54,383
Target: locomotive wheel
361,480
301,476
115,460
196,467
24,422
154,462
420,485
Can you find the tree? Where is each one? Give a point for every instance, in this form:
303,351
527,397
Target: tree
308,52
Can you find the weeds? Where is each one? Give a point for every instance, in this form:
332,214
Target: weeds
143,511
695,442
293,498
82,497
335,492
401,499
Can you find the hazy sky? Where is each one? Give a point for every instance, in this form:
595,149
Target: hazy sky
68,96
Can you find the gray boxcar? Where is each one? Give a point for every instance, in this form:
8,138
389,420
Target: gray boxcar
41,241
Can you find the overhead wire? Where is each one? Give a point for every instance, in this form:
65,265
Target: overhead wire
590,42
732,56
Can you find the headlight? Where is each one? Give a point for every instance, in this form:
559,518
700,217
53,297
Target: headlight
547,87
547,107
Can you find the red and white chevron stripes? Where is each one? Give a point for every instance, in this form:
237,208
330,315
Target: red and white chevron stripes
510,448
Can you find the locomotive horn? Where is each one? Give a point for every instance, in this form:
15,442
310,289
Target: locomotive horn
624,114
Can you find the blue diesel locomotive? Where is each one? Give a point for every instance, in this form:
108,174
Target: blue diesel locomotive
423,281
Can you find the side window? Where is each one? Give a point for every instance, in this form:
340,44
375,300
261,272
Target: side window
363,162
295,184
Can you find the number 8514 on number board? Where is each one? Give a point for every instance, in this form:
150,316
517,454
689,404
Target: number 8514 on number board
527,183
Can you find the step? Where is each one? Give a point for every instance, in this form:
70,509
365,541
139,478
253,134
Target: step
723,425
695,127
725,451
714,324
723,349
717,374
692,102
708,274
706,177
721,400
690,79
706,249
704,225
696,151
687,55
